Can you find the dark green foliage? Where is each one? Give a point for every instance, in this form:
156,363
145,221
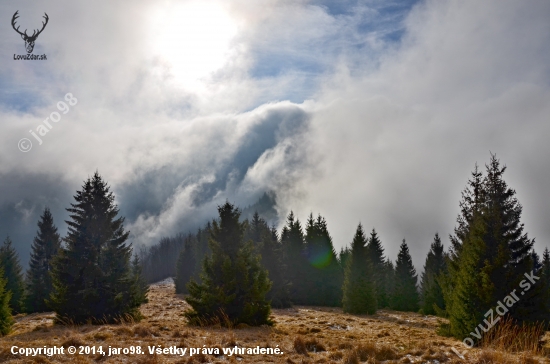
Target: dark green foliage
6,320
405,294
45,246
473,290
185,268
92,276
359,284
9,263
140,286
292,241
375,253
234,284
490,254
324,276
472,200
430,288
267,242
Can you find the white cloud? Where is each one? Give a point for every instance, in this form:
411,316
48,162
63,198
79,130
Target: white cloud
391,129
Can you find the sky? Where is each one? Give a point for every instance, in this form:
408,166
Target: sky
363,111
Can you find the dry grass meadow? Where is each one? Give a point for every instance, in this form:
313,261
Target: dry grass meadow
304,334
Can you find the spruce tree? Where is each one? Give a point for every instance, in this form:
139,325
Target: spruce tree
185,268
359,282
324,276
140,286
489,245
234,284
267,242
432,300
292,241
473,197
45,246
375,253
92,276
9,263
6,320
405,295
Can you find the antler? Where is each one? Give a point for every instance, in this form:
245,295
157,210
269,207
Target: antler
15,16
34,34
43,24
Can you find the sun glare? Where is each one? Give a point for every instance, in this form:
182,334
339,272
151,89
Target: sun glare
193,39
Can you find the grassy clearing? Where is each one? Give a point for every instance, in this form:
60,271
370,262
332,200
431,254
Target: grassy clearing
304,334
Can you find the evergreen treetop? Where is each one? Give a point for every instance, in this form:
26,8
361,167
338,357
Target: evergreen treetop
324,276
375,250
359,293
431,292
293,246
405,295
375,255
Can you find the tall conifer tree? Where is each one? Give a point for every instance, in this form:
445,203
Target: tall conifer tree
270,249
292,241
432,300
493,249
324,276
45,246
140,286
473,198
92,276
375,253
9,263
405,295
234,284
359,282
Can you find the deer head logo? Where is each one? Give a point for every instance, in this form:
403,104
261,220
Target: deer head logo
29,39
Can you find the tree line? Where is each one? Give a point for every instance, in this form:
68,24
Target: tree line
489,256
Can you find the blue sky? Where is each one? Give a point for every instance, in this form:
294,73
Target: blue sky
362,111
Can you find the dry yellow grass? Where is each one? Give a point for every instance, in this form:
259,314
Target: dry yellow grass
304,334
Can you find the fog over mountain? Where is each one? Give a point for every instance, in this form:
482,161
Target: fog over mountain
363,111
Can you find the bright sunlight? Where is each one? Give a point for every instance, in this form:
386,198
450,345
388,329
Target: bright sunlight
193,38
